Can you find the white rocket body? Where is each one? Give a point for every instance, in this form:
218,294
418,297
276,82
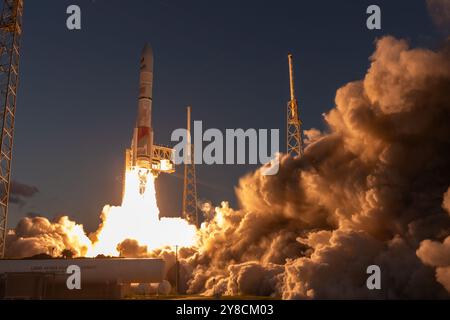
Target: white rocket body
142,143
143,154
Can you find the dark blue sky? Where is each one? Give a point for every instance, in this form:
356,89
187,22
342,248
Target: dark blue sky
78,89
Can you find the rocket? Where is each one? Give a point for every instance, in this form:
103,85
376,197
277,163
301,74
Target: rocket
144,155
142,141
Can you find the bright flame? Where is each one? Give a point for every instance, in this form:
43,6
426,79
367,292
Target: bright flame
138,219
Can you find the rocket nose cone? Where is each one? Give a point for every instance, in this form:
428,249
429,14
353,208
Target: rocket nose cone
147,51
147,57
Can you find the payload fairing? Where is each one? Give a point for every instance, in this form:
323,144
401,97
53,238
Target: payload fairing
144,155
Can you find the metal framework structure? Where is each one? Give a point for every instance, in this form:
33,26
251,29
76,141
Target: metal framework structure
294,134
10,34
162,153
190,205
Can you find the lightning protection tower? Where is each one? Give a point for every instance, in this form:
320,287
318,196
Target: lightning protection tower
294,133
190,206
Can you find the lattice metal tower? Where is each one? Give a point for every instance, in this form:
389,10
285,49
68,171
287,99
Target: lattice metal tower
294,133
190,205
10,33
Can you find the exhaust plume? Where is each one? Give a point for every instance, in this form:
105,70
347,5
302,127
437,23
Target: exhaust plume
368,191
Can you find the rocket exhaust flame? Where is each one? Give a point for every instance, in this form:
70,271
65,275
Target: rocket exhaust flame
138,219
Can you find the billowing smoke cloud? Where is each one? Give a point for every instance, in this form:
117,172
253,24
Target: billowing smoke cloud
367,192
437,254
36,235
130,248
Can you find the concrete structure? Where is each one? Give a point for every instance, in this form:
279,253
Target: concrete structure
108,278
